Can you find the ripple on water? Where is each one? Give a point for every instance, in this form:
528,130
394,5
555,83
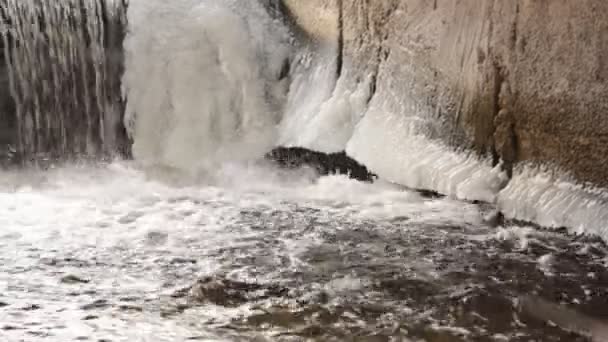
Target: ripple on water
292,262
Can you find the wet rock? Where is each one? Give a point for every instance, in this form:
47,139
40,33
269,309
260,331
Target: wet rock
130,218
229,293
129,299
72,279
32,307
493,218
130,308
178,261
40,333
323,163
98,304
155,238
10,328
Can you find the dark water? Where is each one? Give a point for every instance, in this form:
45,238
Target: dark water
107,254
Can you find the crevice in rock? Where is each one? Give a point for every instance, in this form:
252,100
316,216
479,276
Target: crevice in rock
515,28
498,83
500,148
340,48
373,87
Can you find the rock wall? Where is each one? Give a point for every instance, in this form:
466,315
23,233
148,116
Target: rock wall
520,80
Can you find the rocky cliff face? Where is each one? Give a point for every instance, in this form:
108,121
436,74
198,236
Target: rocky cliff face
522,80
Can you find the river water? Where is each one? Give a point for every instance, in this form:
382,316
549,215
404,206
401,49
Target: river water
113,253
196,238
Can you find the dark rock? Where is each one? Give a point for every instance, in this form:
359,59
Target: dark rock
130,308
323,163
98,304
129,299
229,293
72,279
10,327
32,307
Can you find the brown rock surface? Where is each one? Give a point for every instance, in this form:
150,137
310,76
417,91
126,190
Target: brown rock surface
524,80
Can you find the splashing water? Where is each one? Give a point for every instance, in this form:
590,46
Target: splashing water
205,88
105,252
123,252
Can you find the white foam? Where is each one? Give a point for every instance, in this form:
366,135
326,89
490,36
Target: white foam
555,201
321,114
392,146
201,77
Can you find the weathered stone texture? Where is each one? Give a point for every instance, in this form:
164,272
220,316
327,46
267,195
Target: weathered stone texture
523,80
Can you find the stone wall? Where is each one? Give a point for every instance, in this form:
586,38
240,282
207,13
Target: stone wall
520,80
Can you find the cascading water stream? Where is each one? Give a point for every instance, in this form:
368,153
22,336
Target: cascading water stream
64,63
207,87
108,251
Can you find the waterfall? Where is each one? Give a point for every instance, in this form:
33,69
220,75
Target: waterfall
63,62
205,81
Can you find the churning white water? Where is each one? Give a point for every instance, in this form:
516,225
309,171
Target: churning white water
210,87
104,252
202,81
97,251
200,239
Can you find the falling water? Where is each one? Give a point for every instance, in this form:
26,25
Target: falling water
207,87
112,252
64,63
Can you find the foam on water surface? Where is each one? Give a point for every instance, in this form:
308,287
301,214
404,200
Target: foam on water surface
555,201
121,231
199,239
128,242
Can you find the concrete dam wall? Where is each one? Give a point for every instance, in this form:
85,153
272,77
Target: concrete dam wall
525,81
520,85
